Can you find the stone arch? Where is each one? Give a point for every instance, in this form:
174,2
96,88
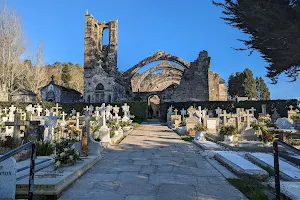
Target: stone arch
153,101
99,86
160,55
165,65
158,82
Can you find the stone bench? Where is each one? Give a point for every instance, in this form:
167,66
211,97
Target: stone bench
287,171
240,165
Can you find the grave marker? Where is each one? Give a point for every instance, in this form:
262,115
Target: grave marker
8,179
56,109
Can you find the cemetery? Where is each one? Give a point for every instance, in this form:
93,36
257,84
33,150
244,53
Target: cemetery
167,127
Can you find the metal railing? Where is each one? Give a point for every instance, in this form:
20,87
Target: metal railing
32,163
276,163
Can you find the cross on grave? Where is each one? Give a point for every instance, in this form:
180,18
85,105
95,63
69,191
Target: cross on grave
63,114
170,109
199,114
248,115
87,119
108,111
291,107
125,109
191,111
183,113
176,111
102,113
47,112
252,110
73,112
12,109
50,123
86,109
16,124
5,110
91,109
225,115
56,109
116,110
218,111
204,113
39,110
77,120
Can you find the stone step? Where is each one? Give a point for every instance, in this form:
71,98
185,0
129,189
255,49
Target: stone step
24,166
208,145
287,171
289,189
240,165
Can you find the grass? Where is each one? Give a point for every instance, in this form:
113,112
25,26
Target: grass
187,138
252,189
269,170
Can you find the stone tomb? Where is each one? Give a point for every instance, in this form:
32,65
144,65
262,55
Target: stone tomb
240,165
287,171
8,179
212,125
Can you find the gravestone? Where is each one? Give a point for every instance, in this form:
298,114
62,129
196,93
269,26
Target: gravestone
183,113
212,125
56,109
50,123
16,124
191,121
116,111
8,179
225,116
284,123
73,111
108,112
218,112
125,109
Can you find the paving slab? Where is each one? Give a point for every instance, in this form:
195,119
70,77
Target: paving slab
240,165
287,171
152,163
289,188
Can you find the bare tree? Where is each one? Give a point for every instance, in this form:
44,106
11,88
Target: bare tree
35,72
12,47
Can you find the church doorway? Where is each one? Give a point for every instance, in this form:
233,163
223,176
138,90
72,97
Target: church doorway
153,107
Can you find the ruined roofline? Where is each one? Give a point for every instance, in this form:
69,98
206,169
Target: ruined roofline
98,22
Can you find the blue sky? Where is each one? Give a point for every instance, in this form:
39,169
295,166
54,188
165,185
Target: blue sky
182,28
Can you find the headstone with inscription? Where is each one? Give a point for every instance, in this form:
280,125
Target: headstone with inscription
8,179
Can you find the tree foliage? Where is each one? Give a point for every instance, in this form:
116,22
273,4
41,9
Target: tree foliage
262,89
66,74
274,29
242,84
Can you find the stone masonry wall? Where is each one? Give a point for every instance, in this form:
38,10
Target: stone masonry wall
213,84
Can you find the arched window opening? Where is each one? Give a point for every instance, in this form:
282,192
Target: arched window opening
100,86
105,37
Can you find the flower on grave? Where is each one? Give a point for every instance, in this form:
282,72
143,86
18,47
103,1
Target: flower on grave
73,146
76,152
66,149
58,163
71,157
62,154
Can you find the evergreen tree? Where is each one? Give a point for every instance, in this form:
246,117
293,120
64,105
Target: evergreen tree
257,88
232,86
66,75
249,84
273,27
264,90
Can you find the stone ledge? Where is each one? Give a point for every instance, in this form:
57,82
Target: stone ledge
51,182
253,170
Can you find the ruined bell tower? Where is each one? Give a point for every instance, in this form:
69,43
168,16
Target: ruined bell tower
102,81
94,49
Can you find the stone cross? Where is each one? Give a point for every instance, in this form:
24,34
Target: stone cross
73,112
77,120
91,109
248,115
291,107
170,110
86,109
190,111
87,118
102,113
5,110
11,116
56,109
108,111
12,109
116,110
16,124
125,109
39,109
183,113
29,111
204,113
176,111
218,111
252,110
47,112
63,114
50,123
225,116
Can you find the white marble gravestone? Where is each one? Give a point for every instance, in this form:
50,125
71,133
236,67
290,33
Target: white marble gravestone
8,179
125,109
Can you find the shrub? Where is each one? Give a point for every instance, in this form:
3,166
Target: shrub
44,148
200,127
228,130
295,116
187,138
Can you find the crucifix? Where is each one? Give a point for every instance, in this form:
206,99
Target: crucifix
225,115
116,110
108,111
63,115
56,109
176,111
5,110
91,109
125,109
16,124
252,110
39,110
248,115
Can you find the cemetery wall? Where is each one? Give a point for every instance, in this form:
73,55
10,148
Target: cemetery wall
230,106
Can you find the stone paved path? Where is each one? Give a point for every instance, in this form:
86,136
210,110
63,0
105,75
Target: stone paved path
152,163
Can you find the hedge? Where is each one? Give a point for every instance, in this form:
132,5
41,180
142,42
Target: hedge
230,106
138,109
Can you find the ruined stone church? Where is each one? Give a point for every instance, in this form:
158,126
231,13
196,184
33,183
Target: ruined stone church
179,82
